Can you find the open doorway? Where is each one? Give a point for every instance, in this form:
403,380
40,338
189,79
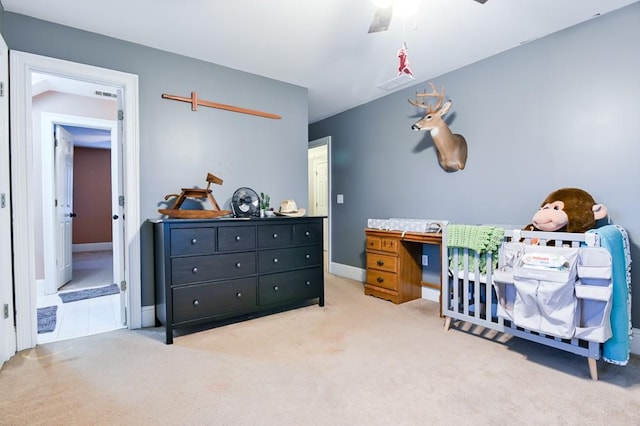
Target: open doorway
26,184
319,189
79,239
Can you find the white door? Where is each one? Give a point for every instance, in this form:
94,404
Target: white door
63,159
7,329
117,208
322,187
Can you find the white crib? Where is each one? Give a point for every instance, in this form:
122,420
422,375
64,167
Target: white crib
468,295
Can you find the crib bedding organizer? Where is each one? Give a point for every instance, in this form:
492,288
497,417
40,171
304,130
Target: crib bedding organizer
562,292
559,295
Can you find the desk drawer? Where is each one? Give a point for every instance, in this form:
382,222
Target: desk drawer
386,280
382,262
374,243
389,245
212,299
193,269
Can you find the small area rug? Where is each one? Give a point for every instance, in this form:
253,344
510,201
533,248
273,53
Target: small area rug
89,293
47,319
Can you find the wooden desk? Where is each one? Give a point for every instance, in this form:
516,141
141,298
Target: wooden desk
394,268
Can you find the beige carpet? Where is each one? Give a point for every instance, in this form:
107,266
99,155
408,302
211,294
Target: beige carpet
356,361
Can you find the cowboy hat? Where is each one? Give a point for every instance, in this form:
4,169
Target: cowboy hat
289,208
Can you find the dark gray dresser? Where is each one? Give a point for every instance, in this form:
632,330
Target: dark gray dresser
215,269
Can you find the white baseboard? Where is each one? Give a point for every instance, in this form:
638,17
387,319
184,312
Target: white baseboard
92,247
148,316
635,341
347,271
431,294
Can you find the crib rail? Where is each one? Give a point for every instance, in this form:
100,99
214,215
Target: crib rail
468,294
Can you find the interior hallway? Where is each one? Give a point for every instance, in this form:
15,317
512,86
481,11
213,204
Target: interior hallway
84,317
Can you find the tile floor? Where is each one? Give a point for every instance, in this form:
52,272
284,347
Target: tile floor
83,317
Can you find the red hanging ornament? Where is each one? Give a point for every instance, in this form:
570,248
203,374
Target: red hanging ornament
403,67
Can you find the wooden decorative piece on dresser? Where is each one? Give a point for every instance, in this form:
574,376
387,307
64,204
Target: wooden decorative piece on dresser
176,212
218,269
394,270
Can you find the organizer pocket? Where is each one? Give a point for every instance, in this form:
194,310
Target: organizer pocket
544,279
592,316
594,266
505,293
594,294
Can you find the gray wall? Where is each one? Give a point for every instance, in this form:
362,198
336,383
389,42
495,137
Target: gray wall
177,146
560,111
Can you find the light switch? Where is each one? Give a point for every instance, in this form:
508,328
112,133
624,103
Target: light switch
340,198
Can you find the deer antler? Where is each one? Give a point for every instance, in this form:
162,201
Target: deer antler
434,94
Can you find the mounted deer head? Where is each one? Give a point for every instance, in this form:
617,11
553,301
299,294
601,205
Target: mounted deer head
451,148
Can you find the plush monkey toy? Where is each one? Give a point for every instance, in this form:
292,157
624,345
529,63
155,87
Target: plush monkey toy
567,210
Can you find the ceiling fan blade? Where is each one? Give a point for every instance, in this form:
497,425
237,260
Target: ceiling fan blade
381,19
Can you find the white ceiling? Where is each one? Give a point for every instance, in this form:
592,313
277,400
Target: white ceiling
322,45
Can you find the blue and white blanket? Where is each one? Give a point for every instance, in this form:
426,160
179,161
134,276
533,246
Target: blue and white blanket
615,239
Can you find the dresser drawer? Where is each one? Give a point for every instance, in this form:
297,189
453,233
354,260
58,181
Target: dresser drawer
275,236
382,262
236,238
383,279
289,258
303,284
307,233
193,269
185,241
201,301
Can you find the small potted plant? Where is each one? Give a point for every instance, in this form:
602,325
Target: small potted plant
264,205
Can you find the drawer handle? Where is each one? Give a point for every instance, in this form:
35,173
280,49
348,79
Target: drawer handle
275,288
238,265
308,282
307,256
194,241
196,303
307,233
380,263
194,269
238,295
237,237
275,260
380,279
275,235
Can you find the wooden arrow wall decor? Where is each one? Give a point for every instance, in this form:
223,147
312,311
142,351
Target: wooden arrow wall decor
194,101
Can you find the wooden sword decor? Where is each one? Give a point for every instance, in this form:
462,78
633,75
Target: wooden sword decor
194,101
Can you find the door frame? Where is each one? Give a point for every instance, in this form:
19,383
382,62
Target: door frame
314,144
22,65
48,183
7,328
